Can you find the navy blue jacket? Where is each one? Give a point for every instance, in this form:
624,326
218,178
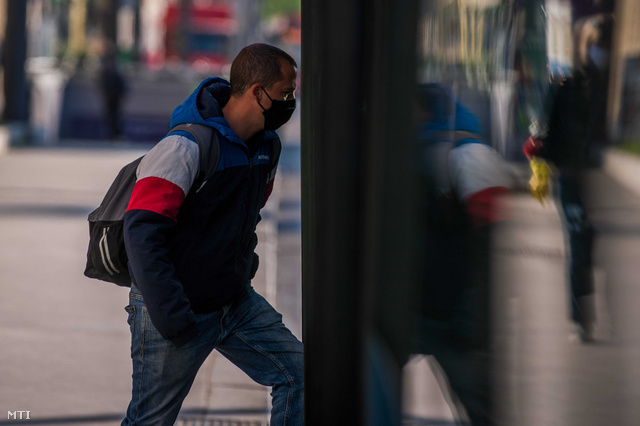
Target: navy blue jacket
191,250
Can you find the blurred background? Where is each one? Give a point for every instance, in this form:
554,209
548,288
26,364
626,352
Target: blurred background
89,85
60,57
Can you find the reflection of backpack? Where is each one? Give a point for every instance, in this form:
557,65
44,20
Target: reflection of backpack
106,256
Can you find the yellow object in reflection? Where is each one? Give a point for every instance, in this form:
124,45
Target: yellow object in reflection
539,182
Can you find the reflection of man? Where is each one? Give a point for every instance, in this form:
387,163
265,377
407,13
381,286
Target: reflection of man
191,250
464,180
575,136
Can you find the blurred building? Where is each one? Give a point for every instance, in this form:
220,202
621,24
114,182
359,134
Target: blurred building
52,52
624,95
501,55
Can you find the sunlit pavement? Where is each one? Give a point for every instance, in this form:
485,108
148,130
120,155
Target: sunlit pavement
65,351
64,355
543,378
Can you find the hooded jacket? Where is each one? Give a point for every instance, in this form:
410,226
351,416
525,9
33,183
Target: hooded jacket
191,250
464,181
576,132
456,158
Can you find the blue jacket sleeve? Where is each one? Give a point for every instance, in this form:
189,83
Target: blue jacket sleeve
145,234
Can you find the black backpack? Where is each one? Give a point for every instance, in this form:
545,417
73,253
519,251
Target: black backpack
106,256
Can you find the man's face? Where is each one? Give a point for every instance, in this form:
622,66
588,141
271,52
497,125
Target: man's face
285,88
279,101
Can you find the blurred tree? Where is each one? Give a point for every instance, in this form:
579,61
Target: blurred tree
274,7
77,28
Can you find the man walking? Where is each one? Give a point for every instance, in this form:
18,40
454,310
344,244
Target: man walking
573,143
191,249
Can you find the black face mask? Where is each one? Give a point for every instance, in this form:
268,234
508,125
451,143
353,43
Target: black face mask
279,113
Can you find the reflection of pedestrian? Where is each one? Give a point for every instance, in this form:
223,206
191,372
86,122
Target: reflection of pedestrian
113,89
192,250
464,179
573,142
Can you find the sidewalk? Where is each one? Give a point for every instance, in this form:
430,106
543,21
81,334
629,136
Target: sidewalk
541,377
544,379
624,168
65,355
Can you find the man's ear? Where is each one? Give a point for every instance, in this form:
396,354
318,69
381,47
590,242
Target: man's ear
255,91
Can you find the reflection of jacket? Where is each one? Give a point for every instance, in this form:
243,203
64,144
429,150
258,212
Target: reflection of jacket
464,179
460,163
192,251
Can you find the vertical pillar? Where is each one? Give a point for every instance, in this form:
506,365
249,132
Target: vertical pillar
358,81
14,52
331,102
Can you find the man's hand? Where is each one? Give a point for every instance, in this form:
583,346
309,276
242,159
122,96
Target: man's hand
532,146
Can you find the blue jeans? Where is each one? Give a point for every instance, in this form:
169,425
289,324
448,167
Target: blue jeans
580,236
248,332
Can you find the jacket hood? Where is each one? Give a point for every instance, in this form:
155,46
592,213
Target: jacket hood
446,112
204,106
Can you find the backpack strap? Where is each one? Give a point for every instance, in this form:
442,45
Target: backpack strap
209,145
207,139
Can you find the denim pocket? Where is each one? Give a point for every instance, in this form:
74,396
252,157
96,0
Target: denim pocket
131,310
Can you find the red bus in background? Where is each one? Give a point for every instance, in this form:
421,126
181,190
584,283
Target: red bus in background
209,30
